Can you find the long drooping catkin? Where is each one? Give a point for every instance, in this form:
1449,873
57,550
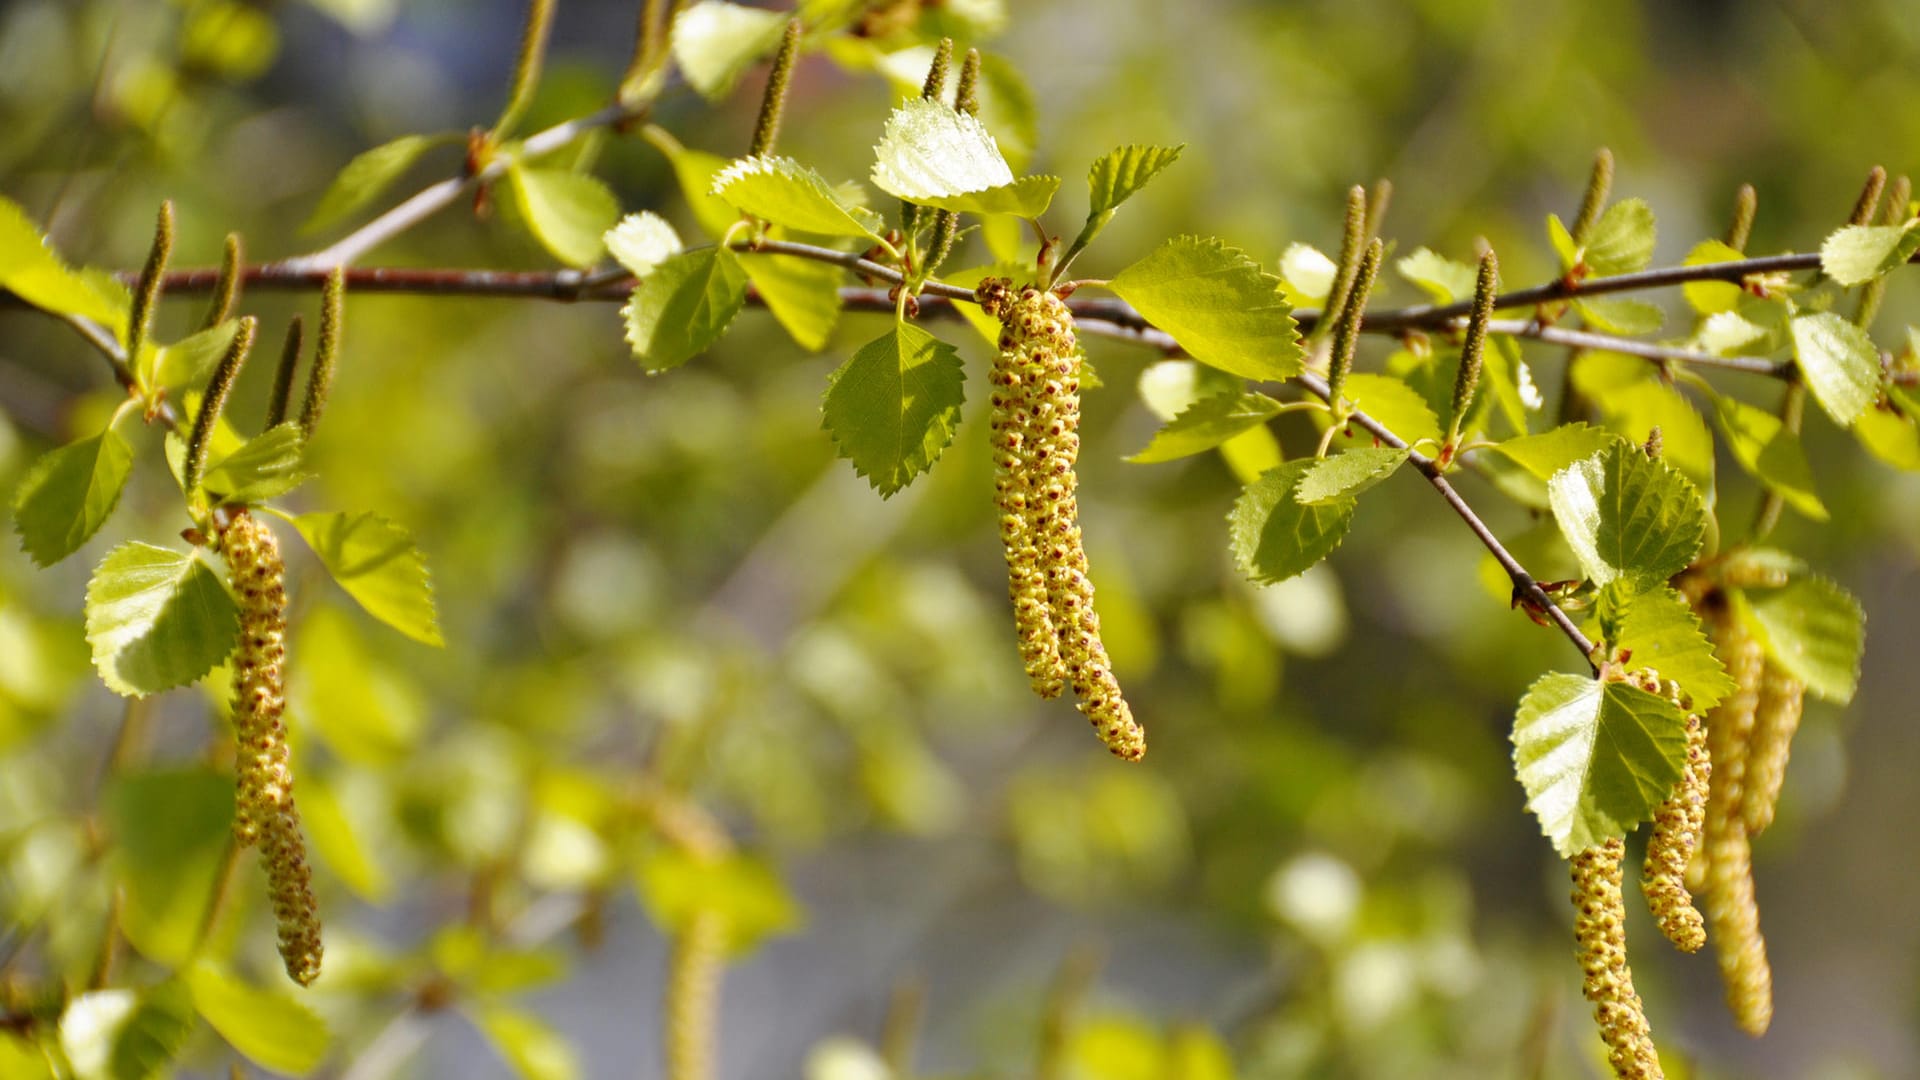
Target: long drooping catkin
693,996
1009,422
1600,936
1041,356
264,810
1677,828
1733,915
1776,716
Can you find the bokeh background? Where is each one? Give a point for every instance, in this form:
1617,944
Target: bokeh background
1323,864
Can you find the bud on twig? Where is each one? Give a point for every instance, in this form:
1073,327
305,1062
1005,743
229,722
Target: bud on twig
333,301
226,287
1599,186
146,291
214,402
1473,350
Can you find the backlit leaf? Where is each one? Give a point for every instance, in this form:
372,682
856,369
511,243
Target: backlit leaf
1120,174
376,562
714,42
32,271
1621,240
930,150
532,1048
785,192
69,493
1349,473
675,887
1660,629
263,467
1222,308
269,1027
641,242
1274,536
1627,516
1767,450
892,408
802,294
1596,758
1840,364
684,306
366,176
1857,254
1444,279
1550,451
157,619
566,211
170,829
1815,630
1206,424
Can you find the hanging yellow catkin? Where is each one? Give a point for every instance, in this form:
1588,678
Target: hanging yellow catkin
264,810
1677,828
1726,888
1776,717
1600,937
693,996
1039,349
1008,423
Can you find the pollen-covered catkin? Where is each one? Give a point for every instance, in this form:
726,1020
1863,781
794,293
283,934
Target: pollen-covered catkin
1676,833
1039,350
1776,716
1600,936
693,996
1726,858
264,810
1730,723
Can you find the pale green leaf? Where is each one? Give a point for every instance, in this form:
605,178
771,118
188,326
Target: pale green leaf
1120,174
1891,436
1857,254
366,176
376,562
684,306
1628,516
1840,364
153,1034
1397,406
802,294
1725,333
375,718
32,271
170,829
715,42
1659,628
157,619
1635,407
695,170
189,361
1766,449
89,1027
1815,630
269,1028
1274,536
641,242
1027,197
568,212
27,1059
531,1048
1206,424
69,493
1621,314
1621,240
1562,242
1348,473
930,150
1222,308
1444,279
337,840
1712,297
1550,451
1596,758
892,408
675,887
263,467
785,192
1170,387
1306,274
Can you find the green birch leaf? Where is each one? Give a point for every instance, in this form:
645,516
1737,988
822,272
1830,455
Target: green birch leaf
802,294
69,493
89,1027
154,1033
1726,333
26,1059
1621,240
1206,424
568,212
1596,758
1120,174
1815,630
264,467
714,43
376,562
531,1048
1306,274
1397,406
1562,242
1712,297
1840,364
1274,536
157,619
674,887
1550,451
1628,516
930,150
785,192
1633,409
170,829
641,242
1027,197
338,843
695,170
1348,473
366,176
1890,436
1770,453
32,271
1222,308
892,408
1444,279
269,1028
1662,632
1621,314
684,306
1857,254
189,361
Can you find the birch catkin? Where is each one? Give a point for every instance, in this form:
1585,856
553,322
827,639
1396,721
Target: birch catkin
693,996
264,810
1776,716
1677,828
1600,935
1733,915
1037,443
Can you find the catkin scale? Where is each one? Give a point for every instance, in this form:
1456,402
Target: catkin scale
1600,936
1036,431
264,811
1776,716
1677,826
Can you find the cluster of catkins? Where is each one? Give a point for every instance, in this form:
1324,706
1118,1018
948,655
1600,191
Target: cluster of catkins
1035,428
264,812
